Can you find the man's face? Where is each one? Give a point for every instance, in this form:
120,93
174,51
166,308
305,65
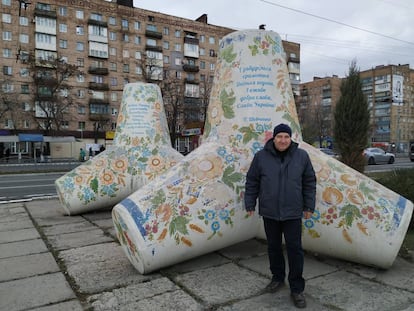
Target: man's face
282,141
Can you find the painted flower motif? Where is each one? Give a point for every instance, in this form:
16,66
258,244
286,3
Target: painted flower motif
316,215
78,180
215,226
355,196
210,215
223,214
135,141
309,223
332,196
208,168
100,162
156,163
120,165
215,115
107,177
348,179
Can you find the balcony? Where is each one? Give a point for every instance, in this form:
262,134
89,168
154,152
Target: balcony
99,86
191,68
97,23
153,48
193,41
153,34
45,13
98,111
98,70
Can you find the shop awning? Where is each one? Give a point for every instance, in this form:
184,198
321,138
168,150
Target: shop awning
30,137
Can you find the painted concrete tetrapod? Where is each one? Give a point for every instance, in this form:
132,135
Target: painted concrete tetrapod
197,206
141,151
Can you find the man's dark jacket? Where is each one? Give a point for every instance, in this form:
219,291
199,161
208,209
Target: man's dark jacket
285,188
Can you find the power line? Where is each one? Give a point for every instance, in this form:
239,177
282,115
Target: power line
336,22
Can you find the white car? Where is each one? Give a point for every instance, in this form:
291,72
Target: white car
378,155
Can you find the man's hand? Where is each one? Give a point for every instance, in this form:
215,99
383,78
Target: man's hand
250,213
307,214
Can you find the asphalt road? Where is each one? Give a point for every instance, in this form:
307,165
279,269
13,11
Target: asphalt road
34,185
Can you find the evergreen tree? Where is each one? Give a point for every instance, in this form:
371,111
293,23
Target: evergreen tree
352,121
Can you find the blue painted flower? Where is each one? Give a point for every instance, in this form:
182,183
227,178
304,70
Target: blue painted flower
259,128
224,214
215,226
239,137
210,215
68,184
309,223
316,215
229,158
88,194
221,151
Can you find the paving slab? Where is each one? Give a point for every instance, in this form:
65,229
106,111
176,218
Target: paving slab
106,223
24,266
80,226
18,235
22,223
78,239
44,208
158,294
34,292
348,291
244,249
98,215
202,262
222,284
12,209
72,305
21,248
57,220
101,267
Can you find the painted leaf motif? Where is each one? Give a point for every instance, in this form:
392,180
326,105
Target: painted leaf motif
227,101
179,224
254,49
228,55
94,185
158,198
230,177
248,134
313,233
350,213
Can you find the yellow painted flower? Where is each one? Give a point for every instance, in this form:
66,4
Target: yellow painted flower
107,177
78,180
215,114
207,168
348,179
135,141
100,162
355,196
332,196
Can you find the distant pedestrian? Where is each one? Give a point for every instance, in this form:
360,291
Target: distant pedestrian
7,154
82,155
90,153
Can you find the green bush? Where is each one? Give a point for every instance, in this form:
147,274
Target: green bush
400,181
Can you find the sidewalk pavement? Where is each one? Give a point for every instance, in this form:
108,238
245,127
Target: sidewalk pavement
53,262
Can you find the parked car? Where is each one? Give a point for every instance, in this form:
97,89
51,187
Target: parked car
329,152
378,155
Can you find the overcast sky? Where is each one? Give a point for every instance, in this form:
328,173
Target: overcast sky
331,32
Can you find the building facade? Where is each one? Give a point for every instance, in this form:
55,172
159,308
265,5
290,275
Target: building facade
111,43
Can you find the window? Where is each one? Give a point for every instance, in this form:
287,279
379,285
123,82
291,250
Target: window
137,25
25,89
6,18
63,28
63,44
80,78
125,53
125,68
202,38
64,124
212,66
151,42
8,124
166,45
80,62
152,28
203,78
7,35
191,90
138,70
26,124
137,40
81,93
166,59
81,125
114,97
212,40
7,70
63,11
166,31
124,23
81,110
112,51
79,46
112,36
114,81
178,74
212,53
97,17
177,47
79,30
177,33
113,126
202,51
125,37
202,65
177,61
79,14
126,81
112,20
7,53
137,55
24,21
6,2
24,72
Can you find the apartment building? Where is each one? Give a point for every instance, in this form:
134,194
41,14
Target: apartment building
111,43
390,94
315,106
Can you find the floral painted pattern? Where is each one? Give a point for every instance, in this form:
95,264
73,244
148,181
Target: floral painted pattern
135,159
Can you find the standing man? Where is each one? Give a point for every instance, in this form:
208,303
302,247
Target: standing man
282,177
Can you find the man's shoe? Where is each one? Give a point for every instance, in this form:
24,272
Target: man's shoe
298,300
273,286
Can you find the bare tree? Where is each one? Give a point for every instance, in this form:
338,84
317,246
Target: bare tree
10,110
